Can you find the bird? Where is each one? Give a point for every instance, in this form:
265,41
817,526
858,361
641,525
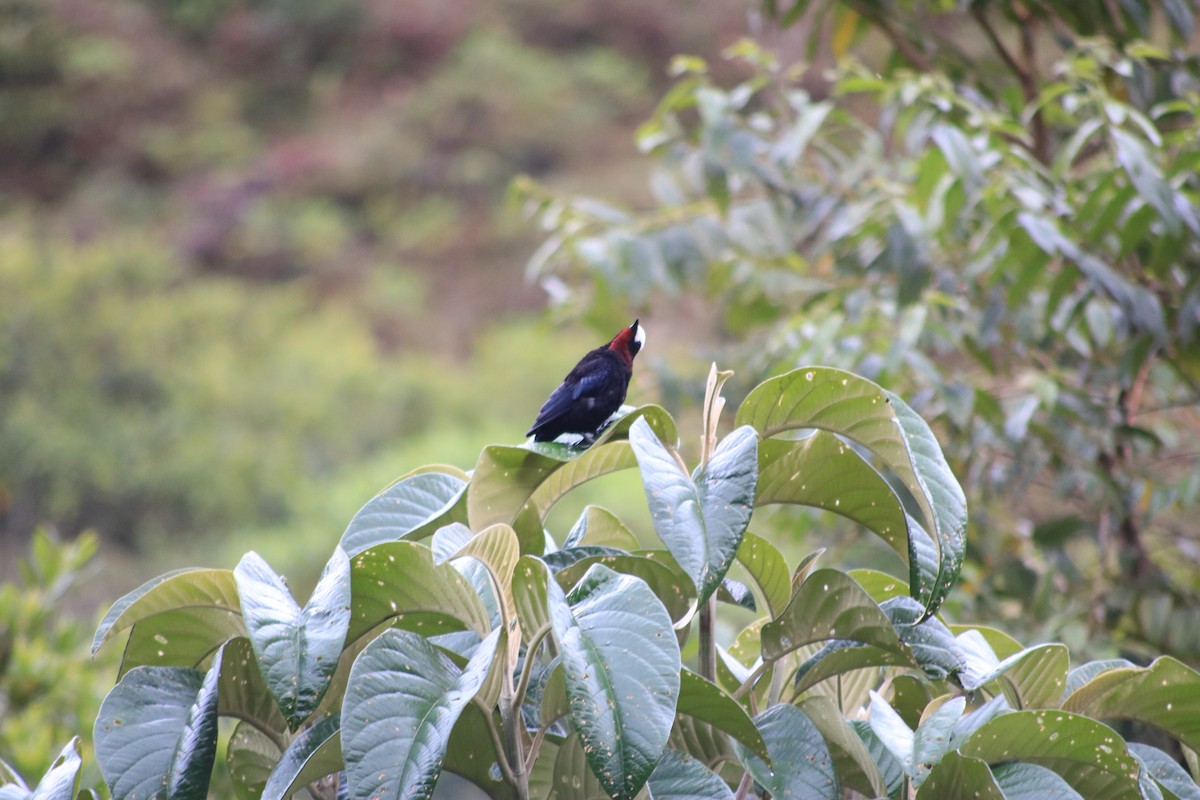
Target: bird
592,391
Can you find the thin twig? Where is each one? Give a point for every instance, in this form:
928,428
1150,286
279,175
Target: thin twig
744,786
526,669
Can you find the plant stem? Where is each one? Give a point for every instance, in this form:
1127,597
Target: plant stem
744,786
527,668
708,642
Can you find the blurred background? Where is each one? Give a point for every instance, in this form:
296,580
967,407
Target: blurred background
258,258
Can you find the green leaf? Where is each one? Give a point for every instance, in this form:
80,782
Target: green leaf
700,518
828,605
243,694
931,740
956,777
412,508
851,760
497,549
401,704
313,754
470,753
297,648
250,757
621,664
185,588
1166,771
391,581
529,595
671,586
156,733
681,777
843,403
1032,782
821,471
769,570
1032,678
841,657
599,526
801,764
1165,694
61,778
573,779
709,703
182,637
1087,754
893,733
932,645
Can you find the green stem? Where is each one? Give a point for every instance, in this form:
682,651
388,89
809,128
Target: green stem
527,668
708,642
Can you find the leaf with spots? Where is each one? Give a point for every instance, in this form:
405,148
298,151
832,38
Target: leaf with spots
497,549
957,776
680,777
1166,771
1032,678
411,508
400,580
401,704
709,703
851,760
801,764
671,586
156,733
769,570
1087,754
829,605
1165,694
213,589
58,783
621,666
858,410
297,648
702,517
601,527
250,757
244,694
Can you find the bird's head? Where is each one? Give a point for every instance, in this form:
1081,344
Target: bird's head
629,342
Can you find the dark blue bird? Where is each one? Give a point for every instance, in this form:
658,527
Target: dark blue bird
592,391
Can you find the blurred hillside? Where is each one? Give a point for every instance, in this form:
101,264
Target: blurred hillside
246,244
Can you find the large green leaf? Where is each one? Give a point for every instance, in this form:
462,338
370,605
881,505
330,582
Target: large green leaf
156,733
243,694
314,753
851,760
185,588
1087,754
681,777
181,637
1165,694
842,657
931,739
297,648
671,586
507,477
573,779
801,764
1021,781
709,703
529,595
859,410
956,777
250,757
768,568
399,579
701,518
411,508
401,704
1032,678
471,755
828,605
621,664
599,526
498,550
822,471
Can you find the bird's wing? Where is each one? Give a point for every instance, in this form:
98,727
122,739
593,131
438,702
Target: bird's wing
589,384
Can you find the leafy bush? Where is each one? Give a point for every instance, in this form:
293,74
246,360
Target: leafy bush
998,221
450,631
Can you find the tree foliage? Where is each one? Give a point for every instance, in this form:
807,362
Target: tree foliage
994,209
463,636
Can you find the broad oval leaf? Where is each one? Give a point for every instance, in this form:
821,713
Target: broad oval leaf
314,753
701,518
411,508
1032,678
400,578
681,777
185,588
709,703
181,637
1166,771
401,703
828,605
801,763
471,755
956,777
156,733
599,526
848,405
671,586
1087,754
621,664
851,760
497,549
1165,694
243,694
769,570
250,757
297,648
1021,781
529,596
